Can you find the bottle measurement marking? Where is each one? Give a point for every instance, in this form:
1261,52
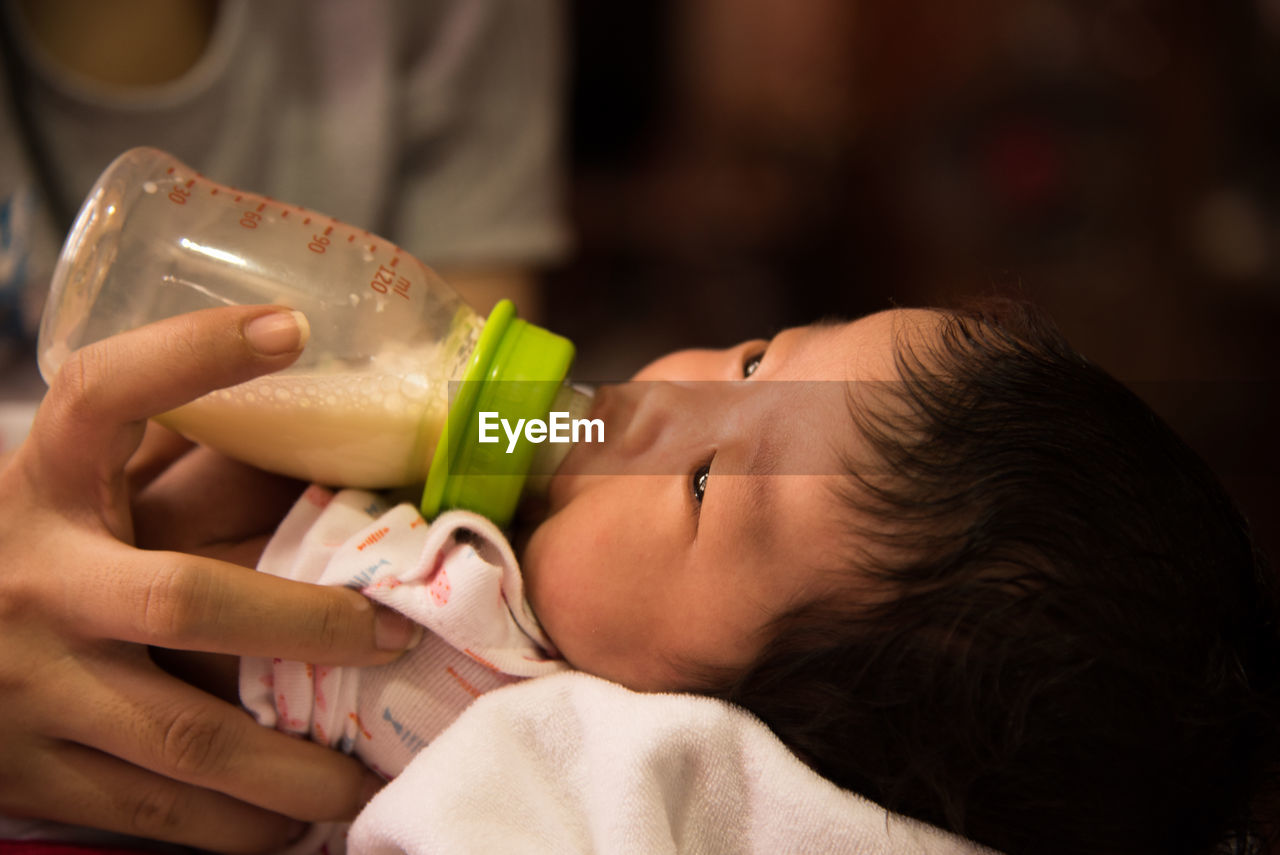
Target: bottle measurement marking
386,280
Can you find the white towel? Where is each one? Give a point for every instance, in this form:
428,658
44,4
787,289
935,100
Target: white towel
573,764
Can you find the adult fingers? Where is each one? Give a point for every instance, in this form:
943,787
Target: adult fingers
153,721
90,422
100,791
216,674
207,500
187,602
160,448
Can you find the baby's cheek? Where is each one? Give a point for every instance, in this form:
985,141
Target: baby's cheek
543,576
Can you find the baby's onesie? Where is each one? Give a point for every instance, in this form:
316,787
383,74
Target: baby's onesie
457,576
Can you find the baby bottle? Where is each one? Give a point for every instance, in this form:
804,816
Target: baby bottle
398,369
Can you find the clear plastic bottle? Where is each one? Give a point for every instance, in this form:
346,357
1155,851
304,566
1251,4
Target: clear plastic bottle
392,347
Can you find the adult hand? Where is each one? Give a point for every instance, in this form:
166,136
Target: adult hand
95,733
189,498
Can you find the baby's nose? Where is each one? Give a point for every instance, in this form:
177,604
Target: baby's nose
663,418
646,413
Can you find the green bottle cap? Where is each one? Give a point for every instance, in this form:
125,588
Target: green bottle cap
515,371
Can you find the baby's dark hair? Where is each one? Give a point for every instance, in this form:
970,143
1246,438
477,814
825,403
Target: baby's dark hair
1070,644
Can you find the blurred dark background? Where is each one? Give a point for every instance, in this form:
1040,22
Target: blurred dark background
739,166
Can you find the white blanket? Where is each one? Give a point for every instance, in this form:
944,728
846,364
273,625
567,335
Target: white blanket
573,764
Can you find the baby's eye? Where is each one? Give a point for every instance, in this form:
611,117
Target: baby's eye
700,482
751,364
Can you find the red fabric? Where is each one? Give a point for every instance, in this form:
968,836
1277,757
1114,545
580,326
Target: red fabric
45,847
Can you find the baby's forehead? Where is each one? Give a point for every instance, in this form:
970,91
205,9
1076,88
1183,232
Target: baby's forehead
860,350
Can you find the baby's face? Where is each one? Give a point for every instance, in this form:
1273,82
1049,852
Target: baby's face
709,509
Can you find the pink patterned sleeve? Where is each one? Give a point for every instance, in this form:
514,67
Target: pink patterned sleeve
457,576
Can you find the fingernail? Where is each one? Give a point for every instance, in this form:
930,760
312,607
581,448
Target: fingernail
278,333
394,631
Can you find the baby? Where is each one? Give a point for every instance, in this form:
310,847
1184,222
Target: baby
954,566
